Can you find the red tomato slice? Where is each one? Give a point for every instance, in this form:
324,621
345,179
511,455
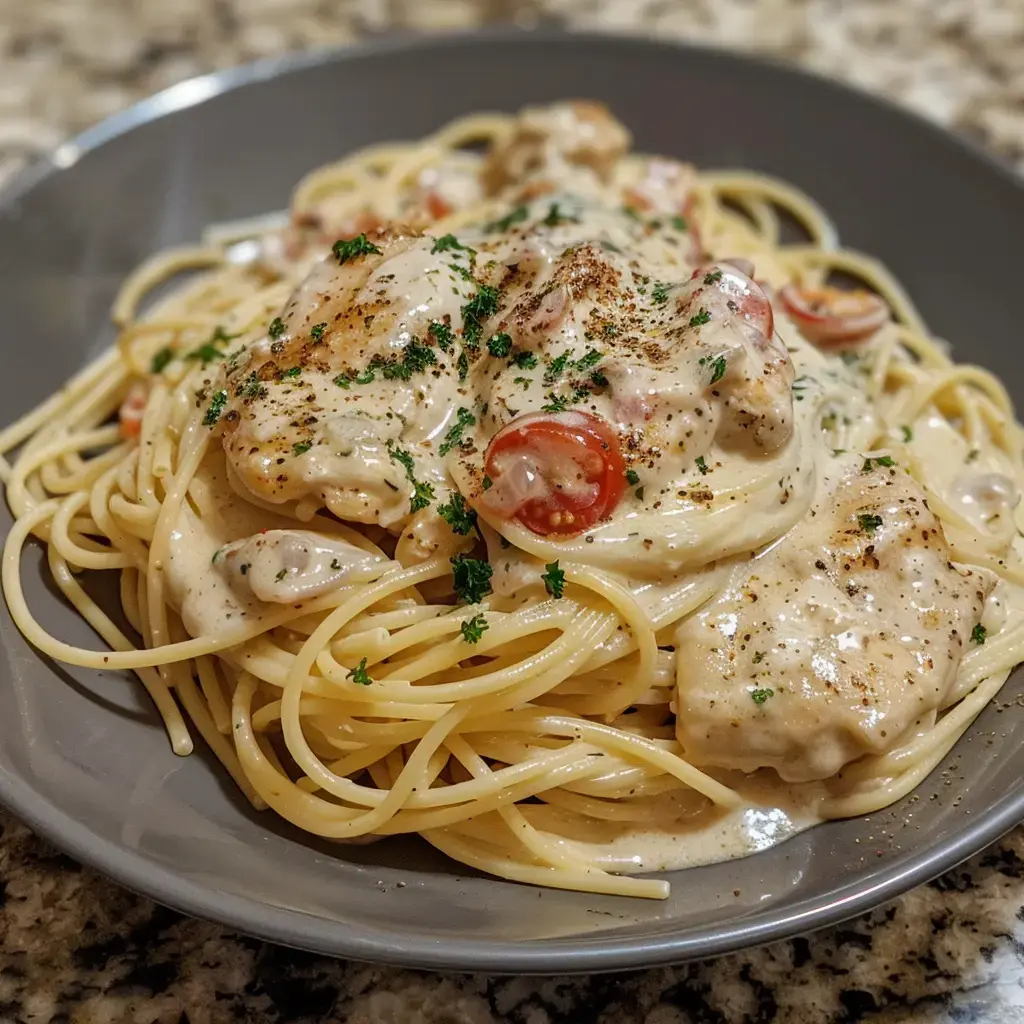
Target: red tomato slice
557,473
437,206
831,317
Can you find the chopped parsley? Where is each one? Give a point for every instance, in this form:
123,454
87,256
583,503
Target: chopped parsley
713,277
316,332
659,294
415,358
442,334
483,305
457,515
448,242
700,318
281,575
760,695
524,360
554,579
463,419
908,434
219,400
679,223
471,578
516,216
555,216
292,371
555,403
276,328
473,629
462,365
758,657
978,634
346,249
881,460
252,387
589,359
343,380
487,483
366,377
422,493
701,465
972,454
868,522
632,477
499,345
718,367
301,447
557,367
207,352
160,360
359,674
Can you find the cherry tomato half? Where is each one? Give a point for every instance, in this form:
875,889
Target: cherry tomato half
557,473
831,317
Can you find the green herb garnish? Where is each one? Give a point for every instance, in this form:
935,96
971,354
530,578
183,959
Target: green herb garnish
713,277
524,360
457,515
516,216
868,522
499,345
758,657
881,460
220,399
679,223
700,318
292,371
252,387
463,419
160,360
659,294
908,434
554,579
471,578
359,674
346,249
448,242
316,332
301,447
718,368
276,328
422,493
442,334
978,634
479,308
473,629
759,696
632,477
701,465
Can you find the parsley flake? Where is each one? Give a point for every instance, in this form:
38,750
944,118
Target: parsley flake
516,216
473,629
219,400
457,515
292,371
276,328
463,419
422,493
252,387
700,318
301,447
758,657
359,674
524,360
346,249
908,434
487,483
160,360
701,465
499,345
881,460
632,477
718,368
978,634
471,578
554,579
679,223
760,695
479,308
659,294
713,277
868,522
316,332
448,242
442,334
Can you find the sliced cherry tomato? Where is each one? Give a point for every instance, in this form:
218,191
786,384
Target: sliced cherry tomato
557,473
831,317
132,410
437,206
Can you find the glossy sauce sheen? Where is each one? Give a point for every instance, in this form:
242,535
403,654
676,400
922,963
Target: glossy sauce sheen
836,640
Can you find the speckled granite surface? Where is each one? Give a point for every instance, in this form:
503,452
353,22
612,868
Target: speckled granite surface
77,948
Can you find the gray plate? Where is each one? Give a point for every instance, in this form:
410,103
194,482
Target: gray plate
83,757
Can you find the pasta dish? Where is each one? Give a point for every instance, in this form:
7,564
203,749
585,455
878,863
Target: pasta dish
585,513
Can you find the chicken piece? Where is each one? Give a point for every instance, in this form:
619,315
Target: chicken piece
835,641
340,401
547,142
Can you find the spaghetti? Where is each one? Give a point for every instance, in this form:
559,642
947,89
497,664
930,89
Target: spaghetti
539,498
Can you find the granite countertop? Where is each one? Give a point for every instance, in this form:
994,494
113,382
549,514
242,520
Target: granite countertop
75,947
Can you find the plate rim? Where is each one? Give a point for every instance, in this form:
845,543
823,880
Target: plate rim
595,952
